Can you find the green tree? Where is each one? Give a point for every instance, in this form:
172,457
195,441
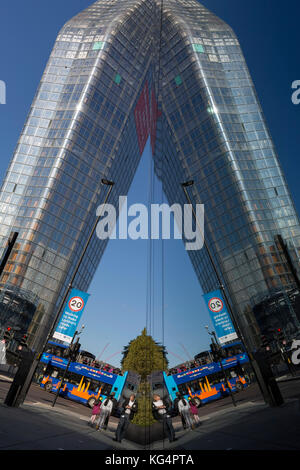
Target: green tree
143,356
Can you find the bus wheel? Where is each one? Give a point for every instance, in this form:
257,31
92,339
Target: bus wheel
48,386
91,402
239,386
198,402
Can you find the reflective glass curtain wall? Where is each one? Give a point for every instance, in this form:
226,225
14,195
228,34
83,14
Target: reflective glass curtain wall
214,133
118,74
81,127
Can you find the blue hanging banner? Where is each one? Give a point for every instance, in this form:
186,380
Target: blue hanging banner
220,317
70,318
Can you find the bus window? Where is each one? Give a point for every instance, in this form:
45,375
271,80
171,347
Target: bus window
200,382
216,378
183,389
93,385
56,373
74,379
106,390
48,369
194,386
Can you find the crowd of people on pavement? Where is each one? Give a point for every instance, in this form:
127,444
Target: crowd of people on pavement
162,409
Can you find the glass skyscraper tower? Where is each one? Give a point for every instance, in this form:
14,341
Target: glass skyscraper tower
122,71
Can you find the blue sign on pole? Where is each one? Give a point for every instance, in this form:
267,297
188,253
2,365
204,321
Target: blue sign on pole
220,317
70,318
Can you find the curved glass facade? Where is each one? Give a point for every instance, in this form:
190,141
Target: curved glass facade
111,81
218,137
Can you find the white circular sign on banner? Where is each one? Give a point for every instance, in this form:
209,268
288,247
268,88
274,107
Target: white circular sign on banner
215,305
76,304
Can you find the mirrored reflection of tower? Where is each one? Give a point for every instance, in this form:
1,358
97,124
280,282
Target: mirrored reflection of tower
116,76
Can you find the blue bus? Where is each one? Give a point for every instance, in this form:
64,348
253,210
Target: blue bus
206,382
86,380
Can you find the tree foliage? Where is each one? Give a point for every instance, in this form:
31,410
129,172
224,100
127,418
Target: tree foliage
143,356
144,415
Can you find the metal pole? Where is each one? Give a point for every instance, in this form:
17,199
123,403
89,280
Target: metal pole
9,247
224,373
65,371
70,285
184,185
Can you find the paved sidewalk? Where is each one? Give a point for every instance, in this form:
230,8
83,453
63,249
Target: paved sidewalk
37,426
251,425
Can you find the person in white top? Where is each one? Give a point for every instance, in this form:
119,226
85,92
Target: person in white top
160,410
129,406
105,411
160,406
184,410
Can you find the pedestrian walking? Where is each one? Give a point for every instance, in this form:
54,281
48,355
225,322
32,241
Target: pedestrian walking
184,410
114,408
105,411
176,411
194,413
160,410
129,408
95,412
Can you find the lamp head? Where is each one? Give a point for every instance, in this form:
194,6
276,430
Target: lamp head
107,182
187,183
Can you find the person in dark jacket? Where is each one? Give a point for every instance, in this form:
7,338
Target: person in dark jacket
129,408
160,411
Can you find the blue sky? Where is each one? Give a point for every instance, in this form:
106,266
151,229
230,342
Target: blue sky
269,35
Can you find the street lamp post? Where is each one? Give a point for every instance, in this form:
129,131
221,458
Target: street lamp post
213,264
22,388
264,376
10,245
70,285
